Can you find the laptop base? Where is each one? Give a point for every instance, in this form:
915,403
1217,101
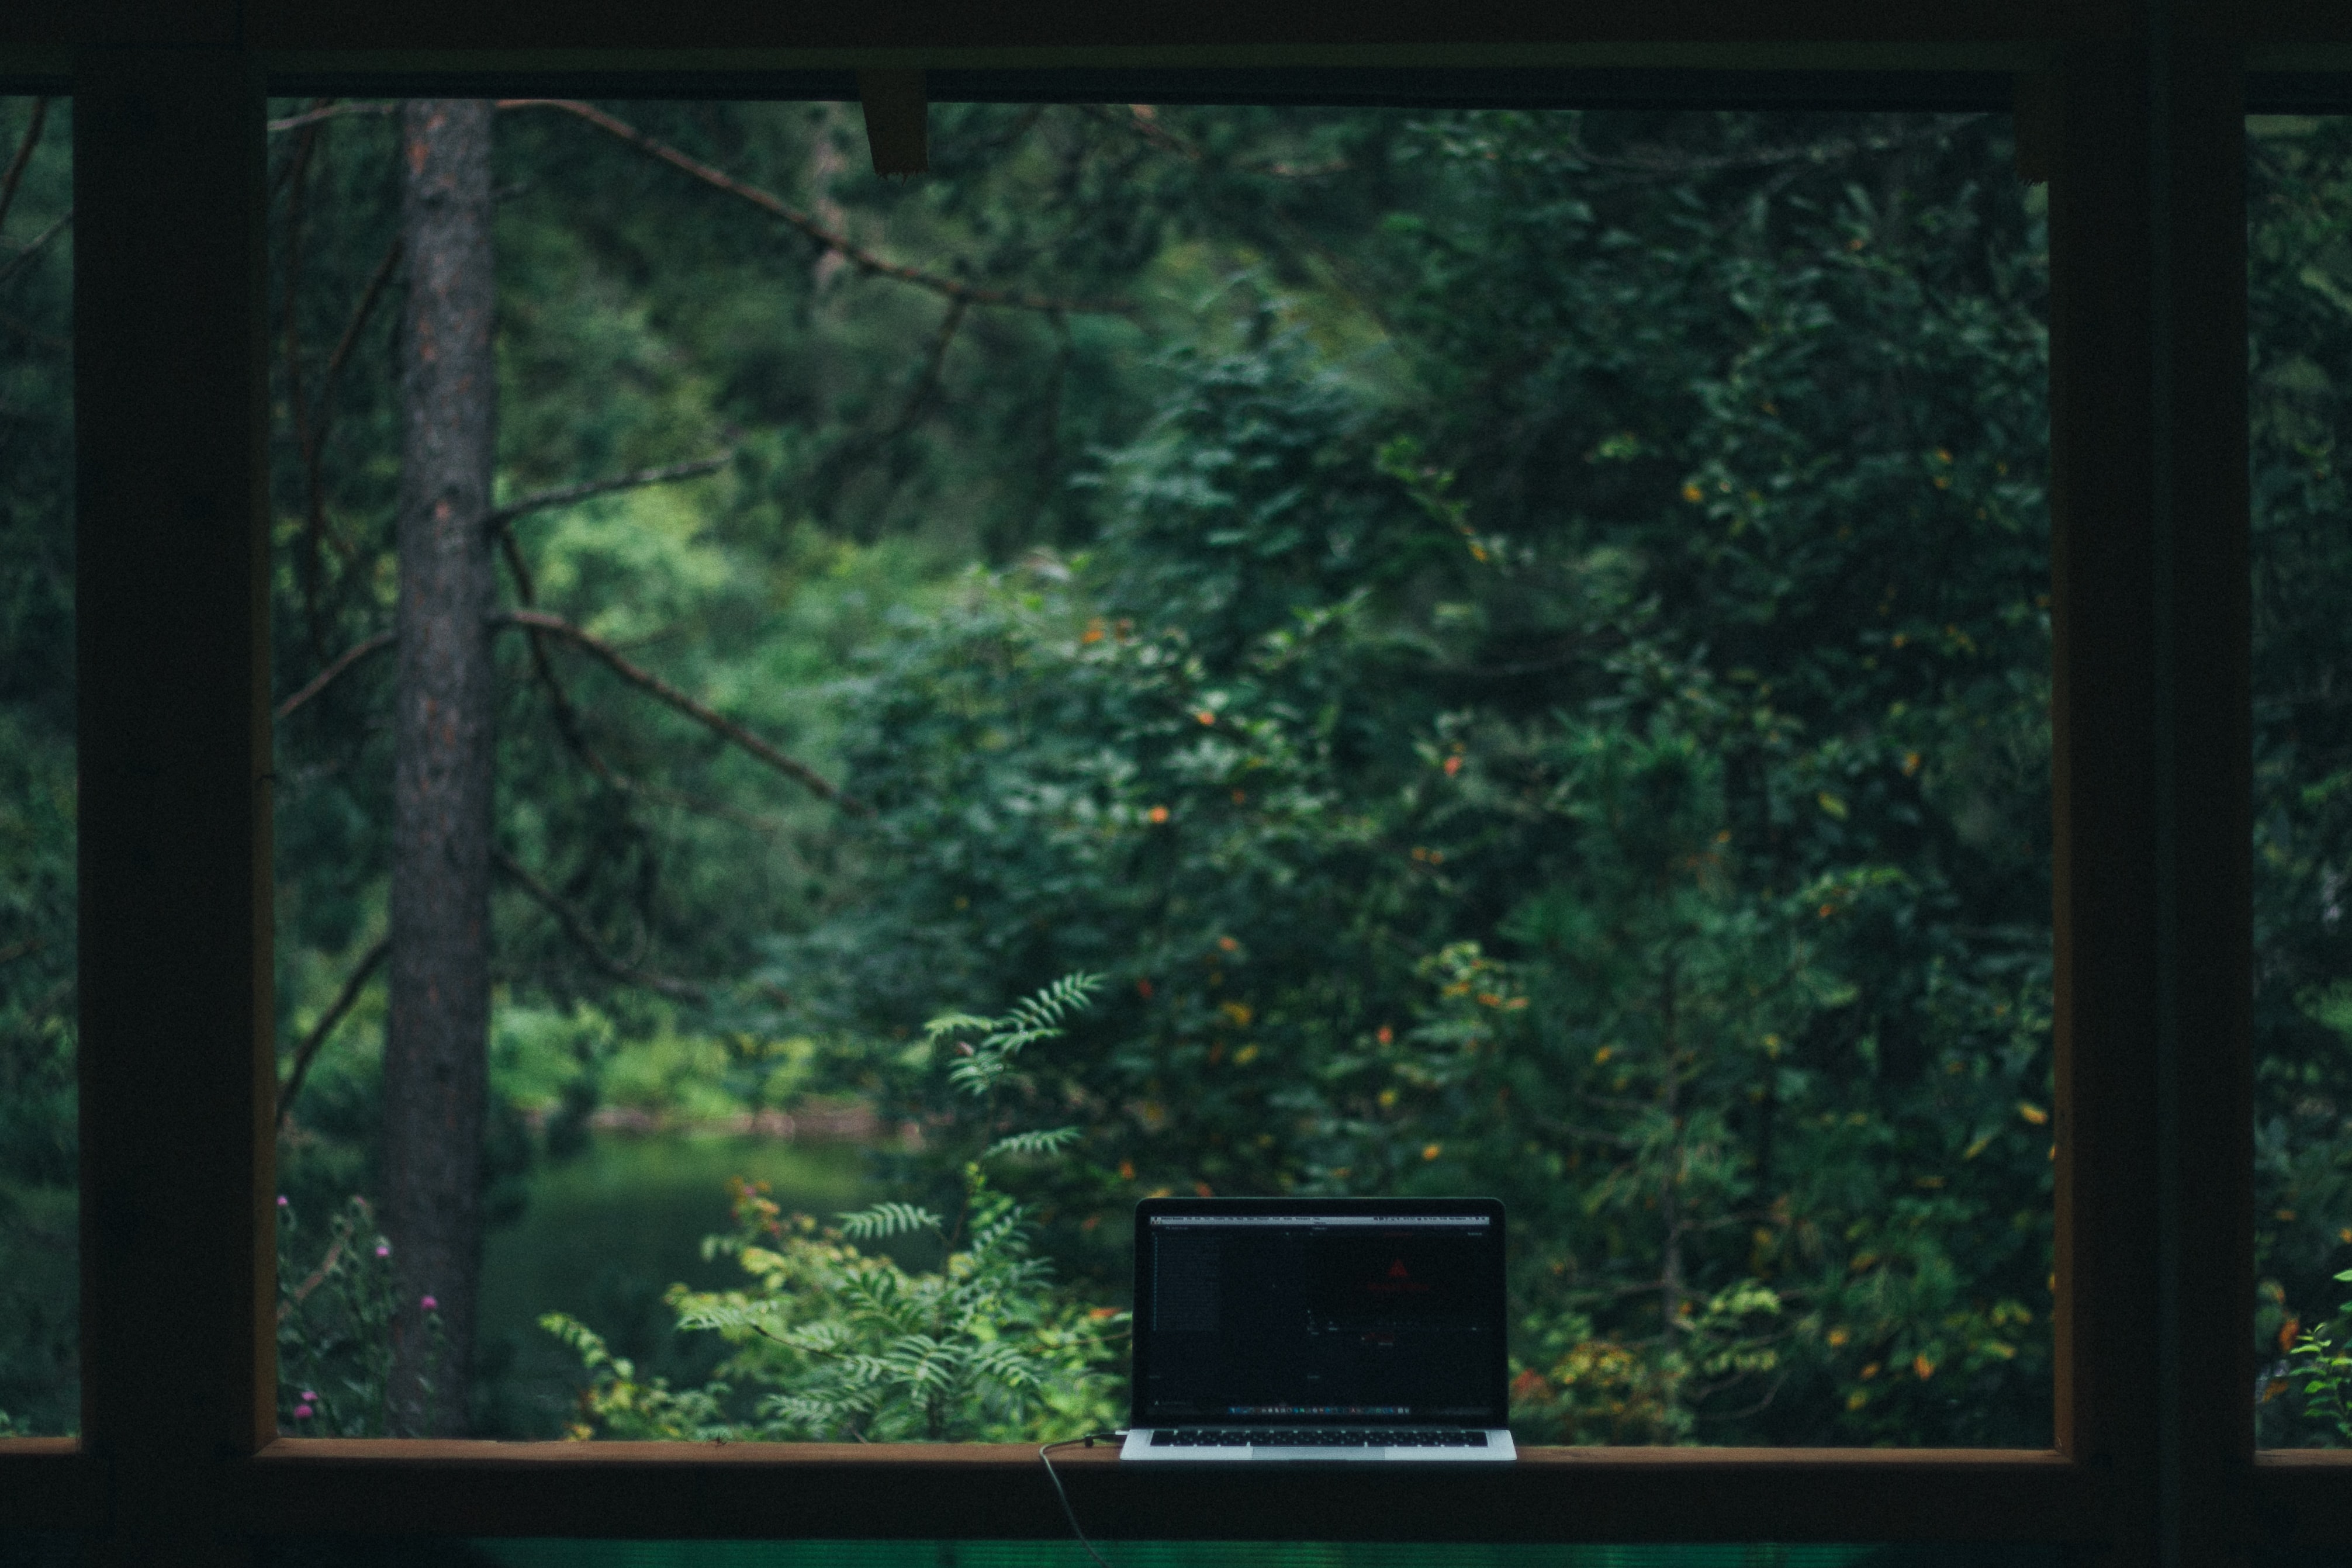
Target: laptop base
1139,1445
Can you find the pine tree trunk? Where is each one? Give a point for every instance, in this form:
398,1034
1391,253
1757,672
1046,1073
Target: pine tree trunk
435,1044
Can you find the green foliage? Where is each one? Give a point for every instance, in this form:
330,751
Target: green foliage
2320,1363
1638,820
335,1308
39,1289
846,1345
2299,183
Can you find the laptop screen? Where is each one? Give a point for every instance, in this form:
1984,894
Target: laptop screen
1324,1311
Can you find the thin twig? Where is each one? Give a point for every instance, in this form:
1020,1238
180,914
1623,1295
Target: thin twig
24,156
317,1277
775,207
331,111
575,734
1143,120
926,382
308,1051
289,332
564,495
344,660
376,280
576,926
929,381
316,523
567,717
647,681
32,334
34,246
1655,159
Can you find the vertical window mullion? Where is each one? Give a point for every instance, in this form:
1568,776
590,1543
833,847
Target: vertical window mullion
174,863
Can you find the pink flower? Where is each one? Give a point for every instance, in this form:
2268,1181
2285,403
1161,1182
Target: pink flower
429,1304
281,1200
384,1248
302,1412
308,1394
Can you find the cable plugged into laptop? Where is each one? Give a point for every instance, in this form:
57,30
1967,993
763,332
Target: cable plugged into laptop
1046,1458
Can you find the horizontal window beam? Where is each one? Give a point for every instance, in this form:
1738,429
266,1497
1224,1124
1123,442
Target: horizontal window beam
975,1491
1983,81
48,1483
2302,1497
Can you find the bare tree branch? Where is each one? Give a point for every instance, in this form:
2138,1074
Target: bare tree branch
331,111
575,734
1656,160
307,562
540,500
647,681
34,246
567,717
775,207
576,926
1143,120
317,526
308,1051
34,335
926,382
368,297
16,173
344,660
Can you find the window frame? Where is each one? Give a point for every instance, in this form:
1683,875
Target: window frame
2135,108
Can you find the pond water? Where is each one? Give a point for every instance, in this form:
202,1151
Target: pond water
604,1233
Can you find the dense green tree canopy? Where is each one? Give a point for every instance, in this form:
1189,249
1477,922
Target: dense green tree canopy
1516,642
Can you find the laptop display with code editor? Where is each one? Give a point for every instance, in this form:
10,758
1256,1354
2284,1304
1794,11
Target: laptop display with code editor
1335,1329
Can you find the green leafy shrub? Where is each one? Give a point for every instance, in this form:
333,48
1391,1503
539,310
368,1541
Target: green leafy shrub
835,1344
2320,1360
334,1325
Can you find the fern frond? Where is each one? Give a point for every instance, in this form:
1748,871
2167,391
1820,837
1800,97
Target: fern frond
978,1073
583,1340
1052,1141
723,1314
886,1219
1048,1006
1007,1363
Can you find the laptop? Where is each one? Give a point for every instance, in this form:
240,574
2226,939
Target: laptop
1323,1329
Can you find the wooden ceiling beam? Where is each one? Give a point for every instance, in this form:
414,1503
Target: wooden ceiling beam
916,33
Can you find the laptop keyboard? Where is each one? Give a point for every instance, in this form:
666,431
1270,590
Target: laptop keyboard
1318,1438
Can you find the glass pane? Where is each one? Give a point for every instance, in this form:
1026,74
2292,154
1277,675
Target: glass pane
39,1289
2300,196
1509,650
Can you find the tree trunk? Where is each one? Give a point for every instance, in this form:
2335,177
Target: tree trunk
435,1044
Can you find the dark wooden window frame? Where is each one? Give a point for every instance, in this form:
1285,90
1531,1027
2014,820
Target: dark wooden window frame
2134,108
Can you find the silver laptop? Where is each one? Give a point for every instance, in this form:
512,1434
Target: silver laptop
1323,1329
